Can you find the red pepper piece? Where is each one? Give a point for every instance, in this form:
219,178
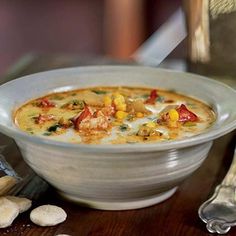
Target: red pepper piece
185,114
84,114
46,103
152,97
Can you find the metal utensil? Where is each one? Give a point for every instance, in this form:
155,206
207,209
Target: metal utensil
160,44
219,212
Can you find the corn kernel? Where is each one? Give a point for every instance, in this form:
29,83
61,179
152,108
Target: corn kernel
121,107
151,124
172,124
120,115
118,98
174,115
107,101
119,102
139,115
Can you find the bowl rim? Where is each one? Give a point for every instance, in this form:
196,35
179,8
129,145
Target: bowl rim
19,135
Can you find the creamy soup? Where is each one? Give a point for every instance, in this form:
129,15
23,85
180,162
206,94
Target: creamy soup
114,115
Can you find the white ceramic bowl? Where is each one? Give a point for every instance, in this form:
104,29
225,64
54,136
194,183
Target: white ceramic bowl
116,177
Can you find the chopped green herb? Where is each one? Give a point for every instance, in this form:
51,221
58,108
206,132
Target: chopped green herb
29,129
189,124
123,127
53,128
32,114
211,122
99,91
191,105
35,104
74,104
31,132
73,94
131,142
145,96
77,102
57,97
64,105
130,117
47,134
160,99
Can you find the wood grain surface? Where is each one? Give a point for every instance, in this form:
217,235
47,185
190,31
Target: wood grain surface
175,216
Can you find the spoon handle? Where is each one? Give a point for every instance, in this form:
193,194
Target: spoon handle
230,178
219,212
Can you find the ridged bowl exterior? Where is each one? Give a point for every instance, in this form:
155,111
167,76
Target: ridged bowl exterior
114,177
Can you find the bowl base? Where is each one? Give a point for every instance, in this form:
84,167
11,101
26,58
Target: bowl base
120,205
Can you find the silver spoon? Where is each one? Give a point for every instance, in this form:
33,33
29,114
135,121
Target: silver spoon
219,212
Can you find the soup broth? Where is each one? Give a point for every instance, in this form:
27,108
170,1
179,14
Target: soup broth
114,115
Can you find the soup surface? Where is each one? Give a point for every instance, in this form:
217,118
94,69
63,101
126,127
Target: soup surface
114,115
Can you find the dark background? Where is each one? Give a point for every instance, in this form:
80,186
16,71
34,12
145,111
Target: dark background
84,27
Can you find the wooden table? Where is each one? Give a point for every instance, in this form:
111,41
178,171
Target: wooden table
175,216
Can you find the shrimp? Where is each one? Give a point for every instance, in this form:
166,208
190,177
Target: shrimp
98,123
88,120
